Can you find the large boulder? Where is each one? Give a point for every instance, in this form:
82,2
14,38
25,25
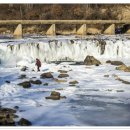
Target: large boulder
25,84
46,75
90,60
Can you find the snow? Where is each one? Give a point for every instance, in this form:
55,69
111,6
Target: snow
95,100
7,90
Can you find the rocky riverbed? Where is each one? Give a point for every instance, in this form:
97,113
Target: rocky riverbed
65,94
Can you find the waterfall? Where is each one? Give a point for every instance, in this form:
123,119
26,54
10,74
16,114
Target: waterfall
63,49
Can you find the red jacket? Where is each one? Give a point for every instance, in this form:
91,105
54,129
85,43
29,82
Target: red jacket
38,62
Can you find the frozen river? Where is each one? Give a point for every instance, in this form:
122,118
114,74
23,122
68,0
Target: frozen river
98,99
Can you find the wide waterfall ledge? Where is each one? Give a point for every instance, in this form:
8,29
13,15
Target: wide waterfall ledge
13,51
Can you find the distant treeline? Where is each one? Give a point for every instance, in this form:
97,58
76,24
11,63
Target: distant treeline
63,11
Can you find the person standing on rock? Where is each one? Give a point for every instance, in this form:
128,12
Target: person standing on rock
38,64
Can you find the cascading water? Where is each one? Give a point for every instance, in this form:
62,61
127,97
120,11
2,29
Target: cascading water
63,49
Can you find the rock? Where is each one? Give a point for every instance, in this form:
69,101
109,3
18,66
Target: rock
16,107
63,97
127,69
59,89
108,61
36,82
121,67
22,76
46,75
54,93
62,71
7,122
63,75
24,68
7,110
55,96
90,60
125,82
74,82
25,84
97,65
45,84
109,90
120,90
24,122
7,81
6,117
115,62
60,81
106,75
119,79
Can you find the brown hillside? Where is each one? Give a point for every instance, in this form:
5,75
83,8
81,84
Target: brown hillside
64,11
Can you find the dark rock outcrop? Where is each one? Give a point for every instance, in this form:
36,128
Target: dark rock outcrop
46,75
25,84
90,60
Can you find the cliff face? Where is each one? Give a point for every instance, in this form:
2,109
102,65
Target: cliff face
64,11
